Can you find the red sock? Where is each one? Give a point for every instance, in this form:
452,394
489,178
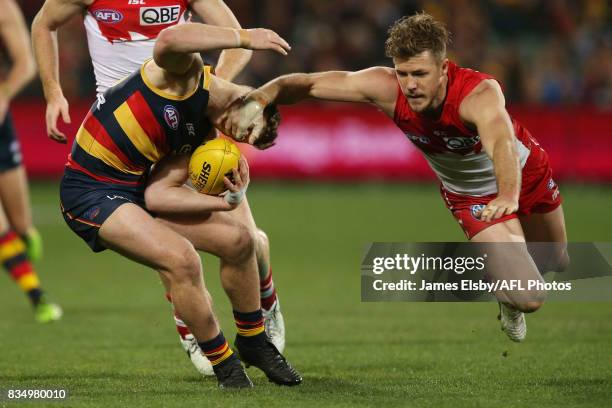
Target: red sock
267,292
181,327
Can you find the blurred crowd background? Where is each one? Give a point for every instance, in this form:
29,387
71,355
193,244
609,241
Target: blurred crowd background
545,52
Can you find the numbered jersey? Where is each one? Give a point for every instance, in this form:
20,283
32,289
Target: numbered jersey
453,150
121,34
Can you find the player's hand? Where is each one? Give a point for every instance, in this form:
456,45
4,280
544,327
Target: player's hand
497,208
244,120
263,39
238,183
56,105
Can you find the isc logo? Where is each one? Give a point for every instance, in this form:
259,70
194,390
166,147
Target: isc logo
108,16
159,15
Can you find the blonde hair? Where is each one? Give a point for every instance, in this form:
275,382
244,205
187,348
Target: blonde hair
410,36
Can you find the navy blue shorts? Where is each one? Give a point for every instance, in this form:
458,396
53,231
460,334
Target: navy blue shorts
86,203
10,152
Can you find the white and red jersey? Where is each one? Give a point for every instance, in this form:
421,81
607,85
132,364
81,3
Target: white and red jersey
454,151
121,34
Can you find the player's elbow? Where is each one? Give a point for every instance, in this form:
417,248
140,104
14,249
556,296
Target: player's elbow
154,199
36,23
164,45
41,24
28,68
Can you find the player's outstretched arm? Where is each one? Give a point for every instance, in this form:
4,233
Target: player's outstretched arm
14,34
176,47
52,15
485,108
166,193
377,86
216,12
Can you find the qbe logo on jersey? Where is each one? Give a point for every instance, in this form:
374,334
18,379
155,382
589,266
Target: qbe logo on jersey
159,15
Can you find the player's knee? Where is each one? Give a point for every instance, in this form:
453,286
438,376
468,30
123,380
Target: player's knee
263,242
241,245
527,301
561,261
554,259
184,264
20,226
529,306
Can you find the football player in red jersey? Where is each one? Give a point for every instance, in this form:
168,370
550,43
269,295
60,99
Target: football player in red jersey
121,35
20,243
495,178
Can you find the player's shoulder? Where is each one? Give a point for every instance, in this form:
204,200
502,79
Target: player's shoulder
486,87
487,97
487,91
385,74
469,86
381,83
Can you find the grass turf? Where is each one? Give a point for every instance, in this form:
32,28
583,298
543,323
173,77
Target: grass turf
116,345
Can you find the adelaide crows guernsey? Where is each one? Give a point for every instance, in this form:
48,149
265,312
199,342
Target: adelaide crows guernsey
134,125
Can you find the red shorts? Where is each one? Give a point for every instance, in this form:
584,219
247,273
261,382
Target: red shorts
539,194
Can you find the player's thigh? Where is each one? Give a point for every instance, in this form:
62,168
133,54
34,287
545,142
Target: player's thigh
507,231
135,234
508,259
243,214
15,198
547,239
218,233
549,227
506,249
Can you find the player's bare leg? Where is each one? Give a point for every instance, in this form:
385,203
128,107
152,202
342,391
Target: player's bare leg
547,228
239,277
136,235
187,339
199,233
509,259
132,232
15,198
15,228
273,318
234,246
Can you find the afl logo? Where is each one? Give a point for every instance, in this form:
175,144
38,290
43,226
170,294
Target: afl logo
171,116
476,209
108,16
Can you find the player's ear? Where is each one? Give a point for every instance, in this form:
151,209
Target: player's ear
269,134
444,66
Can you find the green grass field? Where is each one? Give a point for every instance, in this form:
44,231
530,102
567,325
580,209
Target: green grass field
116,345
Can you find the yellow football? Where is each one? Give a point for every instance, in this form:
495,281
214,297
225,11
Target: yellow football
210,162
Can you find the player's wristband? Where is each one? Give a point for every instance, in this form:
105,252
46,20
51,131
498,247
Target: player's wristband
235,197
244,38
